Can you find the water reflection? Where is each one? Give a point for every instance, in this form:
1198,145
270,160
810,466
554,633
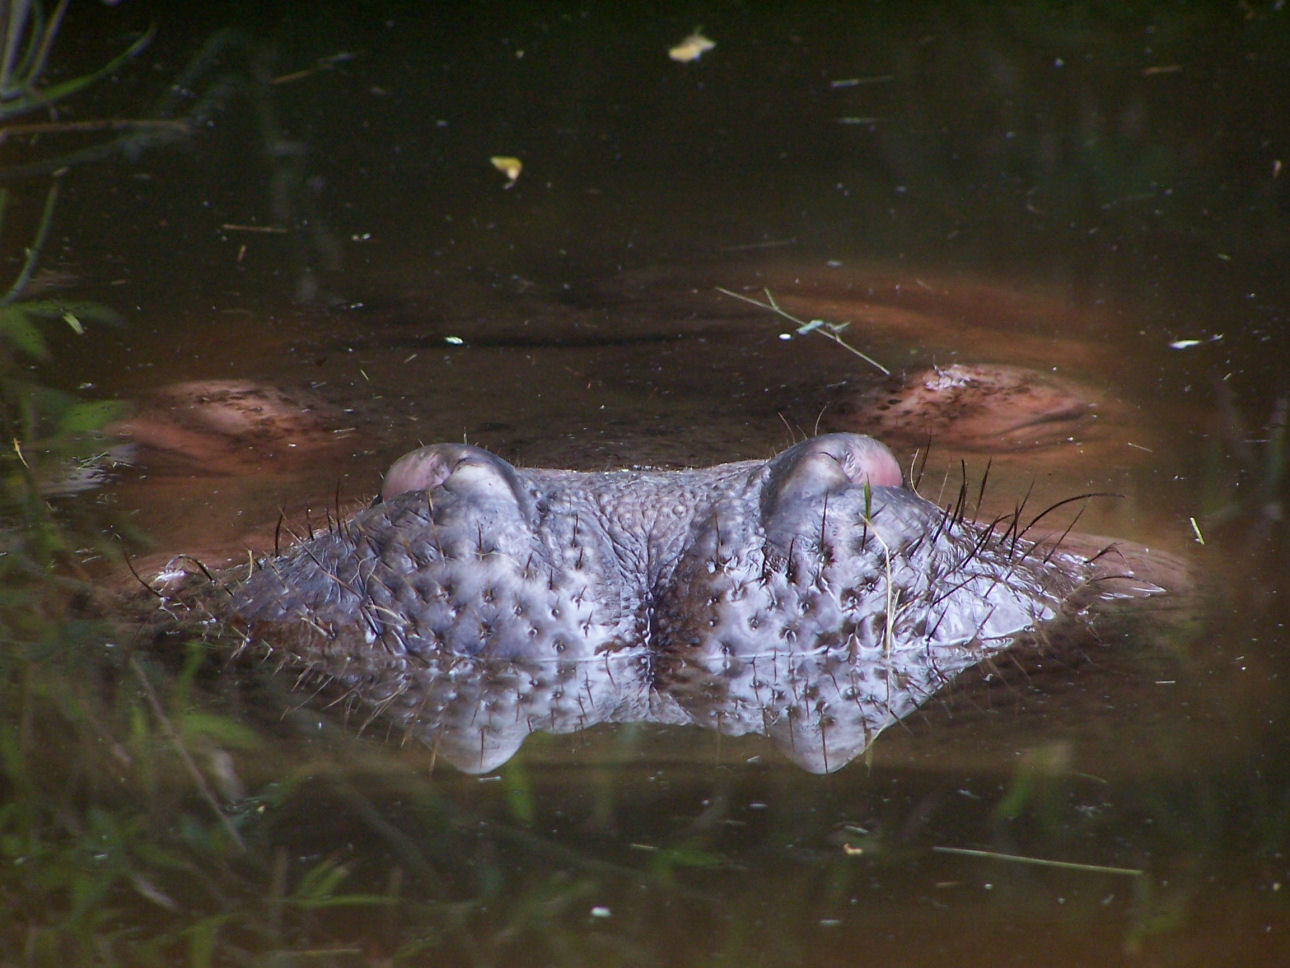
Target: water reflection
821,709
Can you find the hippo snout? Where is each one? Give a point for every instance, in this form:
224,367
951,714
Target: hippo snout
819,546
808,595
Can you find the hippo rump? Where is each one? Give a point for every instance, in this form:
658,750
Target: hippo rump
811,597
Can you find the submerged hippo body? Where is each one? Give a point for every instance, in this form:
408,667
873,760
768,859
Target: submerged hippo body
810,597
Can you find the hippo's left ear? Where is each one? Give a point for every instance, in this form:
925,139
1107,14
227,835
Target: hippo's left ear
827,465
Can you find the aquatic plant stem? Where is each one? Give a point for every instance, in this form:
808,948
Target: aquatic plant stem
33,250
47,39
173,735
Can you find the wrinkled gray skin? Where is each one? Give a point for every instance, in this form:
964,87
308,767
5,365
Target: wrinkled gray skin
809,597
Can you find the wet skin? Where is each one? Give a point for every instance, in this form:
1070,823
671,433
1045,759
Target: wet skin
810,597
469,555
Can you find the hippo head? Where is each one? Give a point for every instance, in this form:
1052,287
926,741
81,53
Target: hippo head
809,596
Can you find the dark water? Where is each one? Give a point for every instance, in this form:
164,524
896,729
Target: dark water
1067,190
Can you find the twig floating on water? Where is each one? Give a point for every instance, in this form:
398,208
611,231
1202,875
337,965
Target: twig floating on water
823,327
1040,861
322,64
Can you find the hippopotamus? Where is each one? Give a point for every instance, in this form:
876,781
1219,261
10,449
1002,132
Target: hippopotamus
813,597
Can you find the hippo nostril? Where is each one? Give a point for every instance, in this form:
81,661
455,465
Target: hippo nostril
461,468
828,465
419,470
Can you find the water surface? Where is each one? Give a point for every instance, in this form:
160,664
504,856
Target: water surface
1070,191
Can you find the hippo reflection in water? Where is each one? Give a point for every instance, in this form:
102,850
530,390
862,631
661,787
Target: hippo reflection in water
809,597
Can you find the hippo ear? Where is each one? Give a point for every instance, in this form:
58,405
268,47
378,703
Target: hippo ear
458,466
827,465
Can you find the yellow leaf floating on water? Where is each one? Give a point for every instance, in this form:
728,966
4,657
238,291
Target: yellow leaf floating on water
508,166
692,48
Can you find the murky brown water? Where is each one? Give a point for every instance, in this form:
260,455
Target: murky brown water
1044,190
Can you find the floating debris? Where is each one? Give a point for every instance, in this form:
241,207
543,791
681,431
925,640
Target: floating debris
508,166
857,81
1187,344
692,48
1195,529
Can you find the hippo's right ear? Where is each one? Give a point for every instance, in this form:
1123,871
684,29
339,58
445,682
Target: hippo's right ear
429,467
826,465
